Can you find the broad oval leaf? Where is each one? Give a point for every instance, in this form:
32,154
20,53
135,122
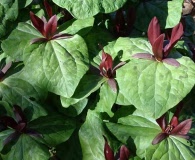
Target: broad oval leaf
55,129
106,100
141,129
57,65
91,137
77,26
88,8
170,149
16,90
27,148
156,87
126,47
21,38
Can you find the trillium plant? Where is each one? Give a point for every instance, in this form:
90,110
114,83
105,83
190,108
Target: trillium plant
161,47
107,70
66,97
47,29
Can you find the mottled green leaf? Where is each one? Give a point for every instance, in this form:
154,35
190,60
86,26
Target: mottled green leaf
88,8
106,100
91,137
159,86
55,129
57,65
81,27
141,129
156,87
88,84
27,148
171,149
126,47
15,90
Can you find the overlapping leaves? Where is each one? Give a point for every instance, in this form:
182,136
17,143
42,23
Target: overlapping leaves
88,8
152,86
137,127
57,65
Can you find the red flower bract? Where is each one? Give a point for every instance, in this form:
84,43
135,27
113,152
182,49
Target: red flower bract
47,28
174,128
161,47
107,70
123,152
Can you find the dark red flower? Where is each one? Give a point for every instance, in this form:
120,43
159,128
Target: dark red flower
123,153
107,70
161,47
19,124
47,28
174,128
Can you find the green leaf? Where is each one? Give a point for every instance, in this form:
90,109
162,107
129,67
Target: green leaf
168,13
8,14
88,8
18,91
71,146
3,135
21,38
27,148
107,99
80,27
126,47
156,87
57,66
24,3
74,109
88,84
91,137
141,129
171,149
55,129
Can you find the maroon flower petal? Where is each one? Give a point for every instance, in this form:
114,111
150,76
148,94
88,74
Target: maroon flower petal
108,152
162,122
62,36
171,61
176,34
153,30
106,64
11,137
51,27
20,117
37,23
33,133
143,56
108,61
182,128
6,67
174,121
48,9
124,153
118,66
157,48
9,121
20,127
112,84
160,137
